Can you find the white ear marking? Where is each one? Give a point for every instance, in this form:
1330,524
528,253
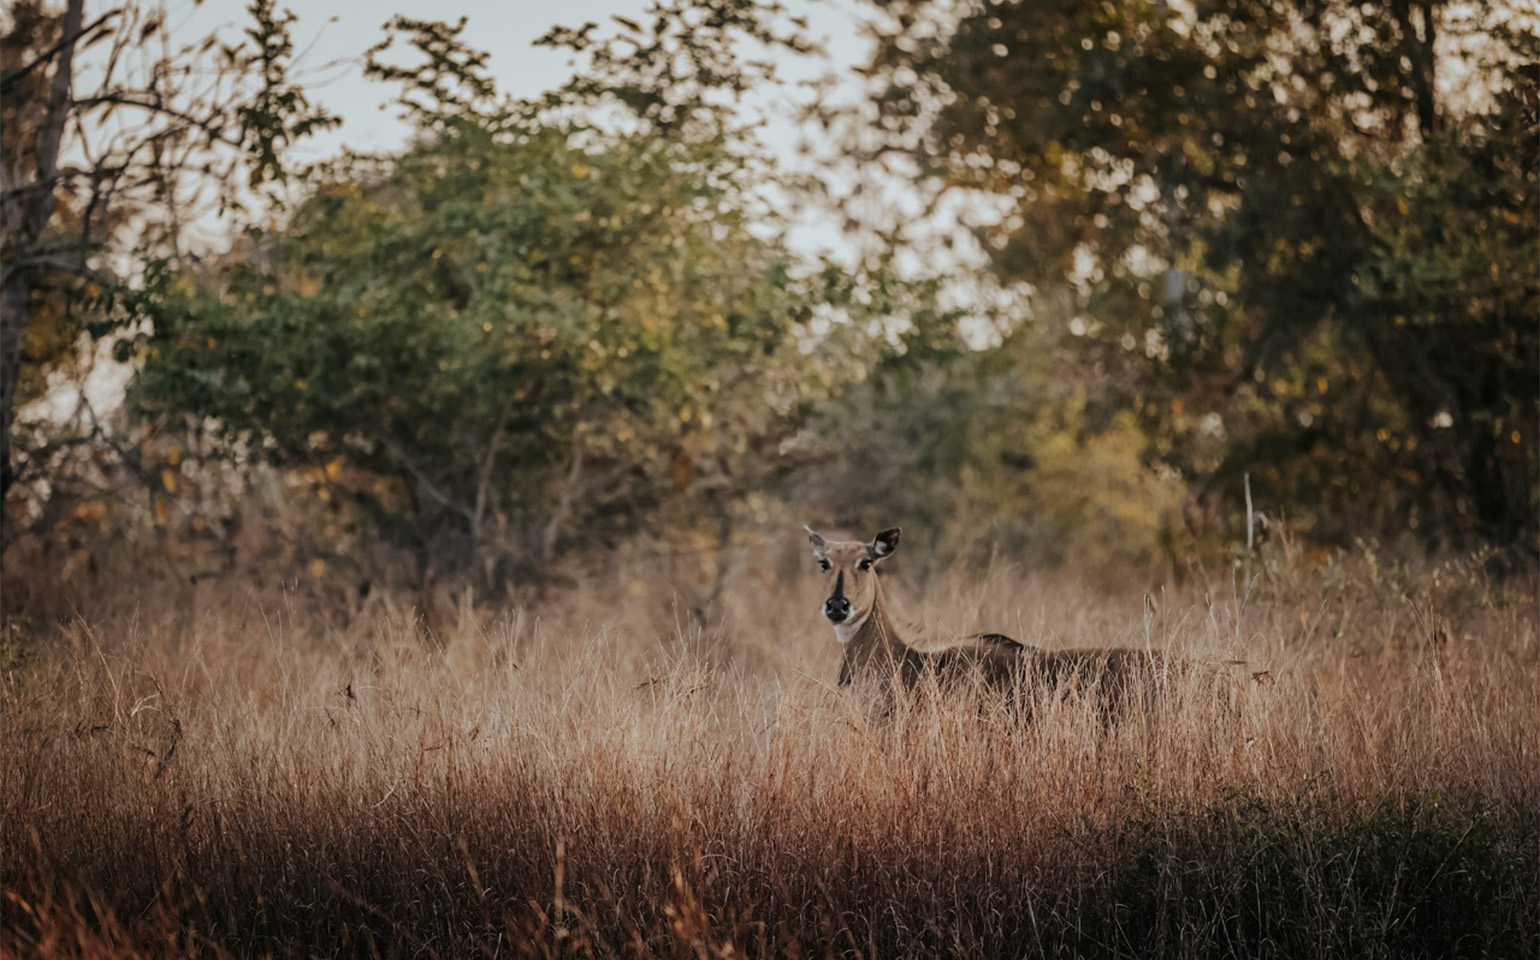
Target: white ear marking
885,543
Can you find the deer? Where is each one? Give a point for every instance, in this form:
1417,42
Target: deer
875,653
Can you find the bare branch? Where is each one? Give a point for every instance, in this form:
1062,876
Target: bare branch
67,41
429,487
209,125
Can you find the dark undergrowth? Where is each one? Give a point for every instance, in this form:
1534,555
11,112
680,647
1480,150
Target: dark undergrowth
1417,877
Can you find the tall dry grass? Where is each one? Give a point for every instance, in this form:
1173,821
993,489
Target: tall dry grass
594,775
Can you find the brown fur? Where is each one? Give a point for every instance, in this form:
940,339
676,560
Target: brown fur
875,652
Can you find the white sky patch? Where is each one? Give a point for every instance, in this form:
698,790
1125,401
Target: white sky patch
98,389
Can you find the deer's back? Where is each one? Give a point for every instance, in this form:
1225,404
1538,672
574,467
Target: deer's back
1114,676
1116,666
991,657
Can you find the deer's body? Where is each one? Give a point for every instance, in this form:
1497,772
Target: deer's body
876,654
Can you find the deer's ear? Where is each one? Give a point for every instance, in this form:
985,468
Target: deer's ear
885,543
816,540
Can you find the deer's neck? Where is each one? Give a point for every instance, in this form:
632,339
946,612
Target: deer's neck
873,641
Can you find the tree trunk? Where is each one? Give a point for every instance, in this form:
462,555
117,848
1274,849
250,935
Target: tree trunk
30,220
563,510
13,324
1428,109
1422,55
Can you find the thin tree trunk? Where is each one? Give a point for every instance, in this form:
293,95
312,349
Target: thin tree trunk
479,553
36,210
1420,52
1428,107
13,322
563,511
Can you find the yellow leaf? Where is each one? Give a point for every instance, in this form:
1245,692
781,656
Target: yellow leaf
162,512
168,480
318,568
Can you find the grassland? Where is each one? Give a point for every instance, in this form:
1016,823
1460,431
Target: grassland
212,771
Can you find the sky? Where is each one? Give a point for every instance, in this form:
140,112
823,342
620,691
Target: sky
333,35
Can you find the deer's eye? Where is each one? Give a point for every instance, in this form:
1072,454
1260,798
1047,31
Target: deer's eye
864,565
824,565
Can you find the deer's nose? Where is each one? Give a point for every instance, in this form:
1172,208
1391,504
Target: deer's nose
836,609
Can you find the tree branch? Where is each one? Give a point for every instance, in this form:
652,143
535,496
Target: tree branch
484,483
13,76
429,487
563,505
207,125
60,176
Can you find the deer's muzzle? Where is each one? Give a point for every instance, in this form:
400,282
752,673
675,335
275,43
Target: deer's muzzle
837,609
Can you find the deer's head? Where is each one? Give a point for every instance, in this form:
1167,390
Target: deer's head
850,569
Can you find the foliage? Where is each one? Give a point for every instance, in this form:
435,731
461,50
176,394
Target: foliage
1002,450
1292,250
93,178
537,323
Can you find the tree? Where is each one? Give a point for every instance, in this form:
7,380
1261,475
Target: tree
537,323
1291,253
144,148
